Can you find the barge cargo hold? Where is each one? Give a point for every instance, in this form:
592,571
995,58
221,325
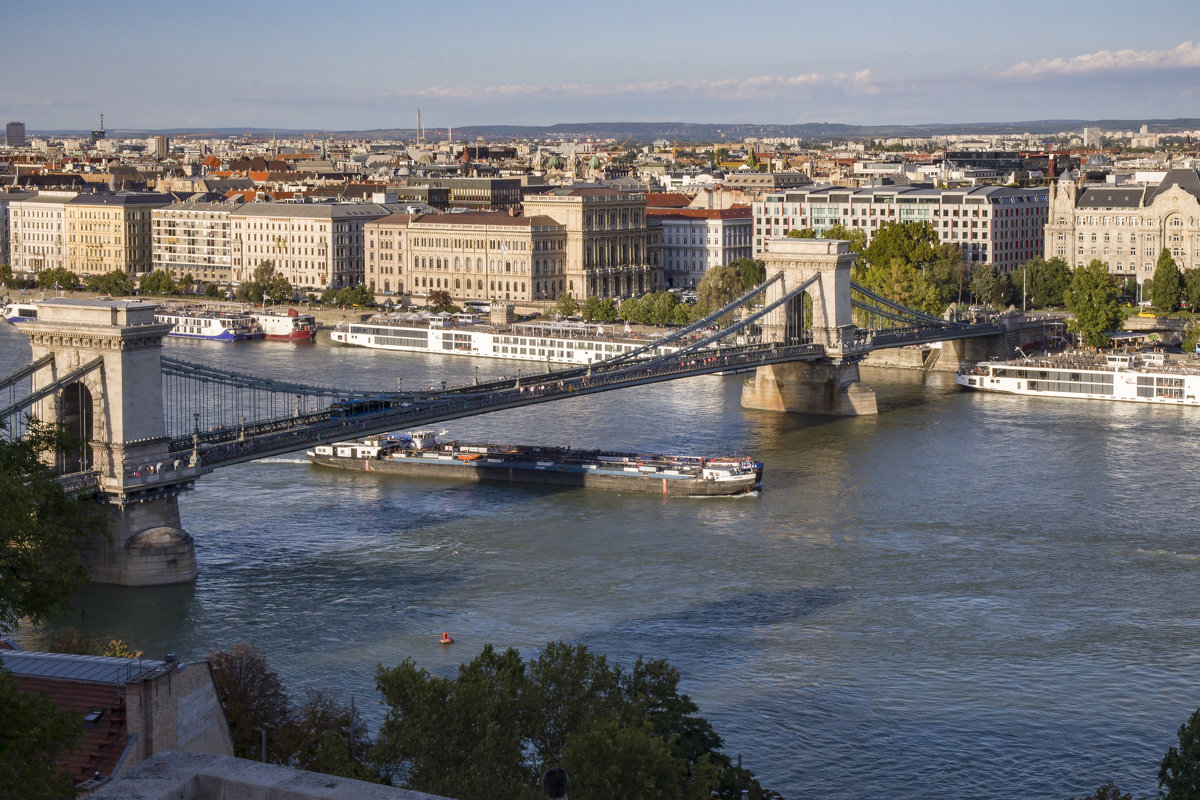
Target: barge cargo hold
422,454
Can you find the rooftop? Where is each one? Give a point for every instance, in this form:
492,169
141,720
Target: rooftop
94,669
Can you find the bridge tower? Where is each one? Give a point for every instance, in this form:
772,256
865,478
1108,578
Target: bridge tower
117,409
831,386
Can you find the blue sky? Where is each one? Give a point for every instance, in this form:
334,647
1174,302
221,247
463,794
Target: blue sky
360,65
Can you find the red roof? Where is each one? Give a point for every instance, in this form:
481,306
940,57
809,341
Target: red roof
667,200
736,212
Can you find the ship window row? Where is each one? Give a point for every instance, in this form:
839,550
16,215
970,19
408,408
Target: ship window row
1073,387
403,341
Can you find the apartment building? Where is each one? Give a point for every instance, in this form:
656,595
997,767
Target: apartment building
995,225
7,197
608,252
193,238
315,246
109,232
35,229
693,240
474,256
1126,227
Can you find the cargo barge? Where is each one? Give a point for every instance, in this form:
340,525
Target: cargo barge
423,454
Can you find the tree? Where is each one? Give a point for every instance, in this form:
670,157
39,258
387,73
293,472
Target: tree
631,310
900,282
70,640
591,309
1107,791
608,310
254,700
1092,302
1043,281
911,242
720,285
326,735
801,233
212,290
440,300
1191,289
43,530
753,271
566,306
58,278
157,282
34,737
663,308
1179,772
116,283
855,236
1167,286
497,725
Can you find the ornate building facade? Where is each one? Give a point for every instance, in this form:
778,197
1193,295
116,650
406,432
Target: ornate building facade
1126,227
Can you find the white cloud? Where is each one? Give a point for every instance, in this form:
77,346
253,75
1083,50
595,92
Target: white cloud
754,87
1183,56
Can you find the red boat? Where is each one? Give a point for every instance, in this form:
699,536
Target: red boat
287,327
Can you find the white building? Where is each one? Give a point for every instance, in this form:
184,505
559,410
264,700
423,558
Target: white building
992,224
314,246
697,239
193,238
36,232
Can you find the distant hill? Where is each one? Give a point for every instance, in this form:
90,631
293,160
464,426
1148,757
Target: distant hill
678,131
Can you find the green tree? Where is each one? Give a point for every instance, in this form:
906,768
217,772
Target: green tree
1179,772
58,278
157,282
855,236
911,242
608,310
566,306
43,530
1191,289
1107,791
901,282
624,763
591,309
801,233
254,699
682,314
70,640
212,290
948,270
279,290
720,285
440,300
663,308
1167,286
631,309
753,271
34,738
116,283
1092,302
8,280
1043,281
326,735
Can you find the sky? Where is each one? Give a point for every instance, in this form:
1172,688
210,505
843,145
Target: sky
350,65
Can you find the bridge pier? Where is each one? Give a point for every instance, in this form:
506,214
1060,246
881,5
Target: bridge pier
117,410
810,387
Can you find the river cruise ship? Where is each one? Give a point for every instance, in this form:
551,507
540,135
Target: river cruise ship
464,335
218,326
1132,377
289,326
423,454
20,312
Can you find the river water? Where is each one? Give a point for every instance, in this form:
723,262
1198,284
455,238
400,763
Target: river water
967,596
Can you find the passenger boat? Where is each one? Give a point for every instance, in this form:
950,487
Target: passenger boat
423,454
20,312
1134,377
465,335
291,326
208,324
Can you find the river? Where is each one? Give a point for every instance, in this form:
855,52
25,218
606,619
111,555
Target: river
967,596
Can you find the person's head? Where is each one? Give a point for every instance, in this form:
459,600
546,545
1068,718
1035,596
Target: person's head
555,783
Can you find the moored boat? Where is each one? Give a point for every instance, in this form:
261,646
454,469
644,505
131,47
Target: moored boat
1137,377
291,326
207,324
424,454
20,312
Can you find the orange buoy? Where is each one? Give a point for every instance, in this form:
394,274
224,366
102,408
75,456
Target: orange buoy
446,637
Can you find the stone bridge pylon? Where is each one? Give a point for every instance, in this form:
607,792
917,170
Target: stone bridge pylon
830,386
116,409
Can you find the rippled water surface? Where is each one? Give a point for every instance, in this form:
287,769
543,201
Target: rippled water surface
968,596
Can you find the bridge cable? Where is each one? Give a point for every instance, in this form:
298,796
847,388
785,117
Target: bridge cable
26,371
51,388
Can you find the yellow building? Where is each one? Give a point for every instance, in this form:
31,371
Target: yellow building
109,232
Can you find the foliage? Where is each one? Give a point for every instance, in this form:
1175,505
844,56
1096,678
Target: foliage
662,308
254,700
8,279
212,290
1043,281
752,270
855,236
266,285
70,640
34,736
720,286
116,283
157,283
801,233
1107,791
1167,285
1179,772
1092,301
42,529
1191,289
326,735
911,242
948,271
360,295
492,729
566,306
58,278
440,300
597,309
989,285
900,282
590,310
119,648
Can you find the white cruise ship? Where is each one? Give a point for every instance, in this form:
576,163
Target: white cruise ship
1132,377
462,335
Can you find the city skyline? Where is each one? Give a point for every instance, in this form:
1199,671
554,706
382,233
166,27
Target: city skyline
371,65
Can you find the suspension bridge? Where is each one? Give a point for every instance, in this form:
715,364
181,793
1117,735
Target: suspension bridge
149,425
